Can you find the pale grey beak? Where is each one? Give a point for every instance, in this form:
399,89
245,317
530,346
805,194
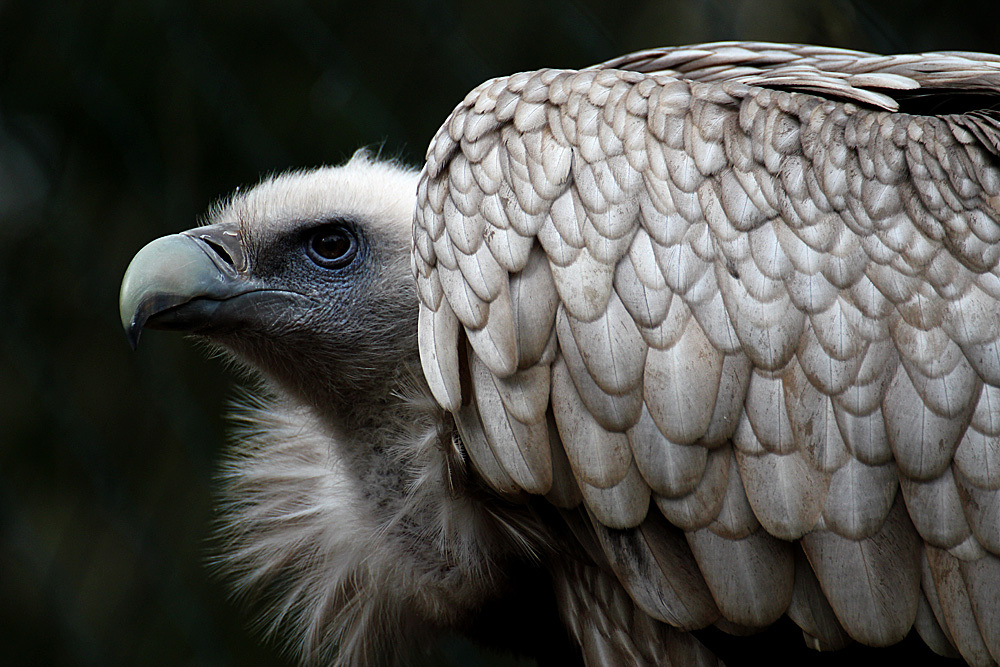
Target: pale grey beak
183,282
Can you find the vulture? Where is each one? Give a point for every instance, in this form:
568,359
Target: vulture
710,335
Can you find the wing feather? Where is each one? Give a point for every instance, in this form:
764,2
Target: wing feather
977,458
750,578
930,631
812,612
533,302
611,348
957,608
873,584
438,331
703,503
735,519
522,449
670,469
859,498
929,589
613,412
623,505
786,493
982,509
494,340
470,428
681,384
599,457
656,566
982,581
936,510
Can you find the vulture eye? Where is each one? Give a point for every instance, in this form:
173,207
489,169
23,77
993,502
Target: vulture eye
332,247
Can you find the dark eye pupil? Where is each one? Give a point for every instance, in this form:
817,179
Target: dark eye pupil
332,248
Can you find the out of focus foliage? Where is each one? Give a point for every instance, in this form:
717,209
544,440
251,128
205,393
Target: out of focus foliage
120,121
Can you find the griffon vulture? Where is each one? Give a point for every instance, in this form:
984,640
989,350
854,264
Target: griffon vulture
711,334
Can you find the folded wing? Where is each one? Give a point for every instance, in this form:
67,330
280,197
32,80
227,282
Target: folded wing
741,302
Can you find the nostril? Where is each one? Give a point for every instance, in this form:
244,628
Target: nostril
219,250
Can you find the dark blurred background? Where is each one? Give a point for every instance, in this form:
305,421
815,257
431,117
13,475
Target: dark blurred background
121,121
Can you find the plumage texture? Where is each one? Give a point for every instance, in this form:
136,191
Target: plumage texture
732,309
775,276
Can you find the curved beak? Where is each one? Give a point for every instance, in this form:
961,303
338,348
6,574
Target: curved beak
183,281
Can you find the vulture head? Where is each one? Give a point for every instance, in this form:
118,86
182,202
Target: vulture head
710,334
277,276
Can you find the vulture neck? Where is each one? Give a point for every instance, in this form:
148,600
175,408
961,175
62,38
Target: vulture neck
373,427
353,520
348,513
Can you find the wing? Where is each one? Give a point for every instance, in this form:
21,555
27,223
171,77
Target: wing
741,307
